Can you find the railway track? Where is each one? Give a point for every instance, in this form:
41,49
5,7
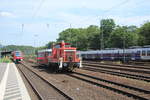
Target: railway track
126,90
144,63
145,71
43,89
121,65
117,73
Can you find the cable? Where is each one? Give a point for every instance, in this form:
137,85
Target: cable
117,5
108,10
38,8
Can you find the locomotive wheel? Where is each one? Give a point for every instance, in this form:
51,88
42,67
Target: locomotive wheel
53,67
50,67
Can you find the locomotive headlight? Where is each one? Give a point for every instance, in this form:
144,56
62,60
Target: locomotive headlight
65,64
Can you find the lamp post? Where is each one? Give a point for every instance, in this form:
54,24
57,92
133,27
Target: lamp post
35,35
124,46
124,58
101,39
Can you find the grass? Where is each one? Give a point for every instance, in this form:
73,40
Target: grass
5,60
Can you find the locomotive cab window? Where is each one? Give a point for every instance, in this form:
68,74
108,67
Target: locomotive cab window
57,46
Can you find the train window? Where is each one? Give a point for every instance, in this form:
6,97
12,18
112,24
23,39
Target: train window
18,54
138,52
67,45
40,55
148,53
57,46
143,53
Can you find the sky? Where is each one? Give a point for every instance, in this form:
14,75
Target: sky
36,22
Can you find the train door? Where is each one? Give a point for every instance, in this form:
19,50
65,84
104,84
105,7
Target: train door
148,54
133,54
138,55
144,54
46,57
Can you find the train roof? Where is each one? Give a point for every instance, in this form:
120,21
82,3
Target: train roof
45,50
146,46
133,47
17,51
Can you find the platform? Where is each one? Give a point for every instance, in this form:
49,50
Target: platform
11,83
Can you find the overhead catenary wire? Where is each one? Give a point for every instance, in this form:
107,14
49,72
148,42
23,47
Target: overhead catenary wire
108,10
38,8
117,5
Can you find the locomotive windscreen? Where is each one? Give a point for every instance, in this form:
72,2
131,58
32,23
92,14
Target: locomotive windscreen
70,55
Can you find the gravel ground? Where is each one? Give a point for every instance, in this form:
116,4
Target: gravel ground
133,73
77,89
122,80
126,69
125,81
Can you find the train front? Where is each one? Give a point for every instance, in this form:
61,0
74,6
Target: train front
17,56
69,59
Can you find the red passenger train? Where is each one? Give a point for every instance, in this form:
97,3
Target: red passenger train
61,57
17,56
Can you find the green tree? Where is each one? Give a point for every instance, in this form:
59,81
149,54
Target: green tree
144,32
82,38
107,26
123,35
49,44
93,36
25,49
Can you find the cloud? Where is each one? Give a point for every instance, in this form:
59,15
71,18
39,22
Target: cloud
7,14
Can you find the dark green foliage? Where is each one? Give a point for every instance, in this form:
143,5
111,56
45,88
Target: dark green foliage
123,35
144,33
49,45
82,38
107,26
25,49
114,36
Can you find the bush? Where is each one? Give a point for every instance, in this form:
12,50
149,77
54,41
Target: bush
5,60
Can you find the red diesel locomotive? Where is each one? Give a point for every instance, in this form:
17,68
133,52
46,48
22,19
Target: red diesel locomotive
61,57
17,56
